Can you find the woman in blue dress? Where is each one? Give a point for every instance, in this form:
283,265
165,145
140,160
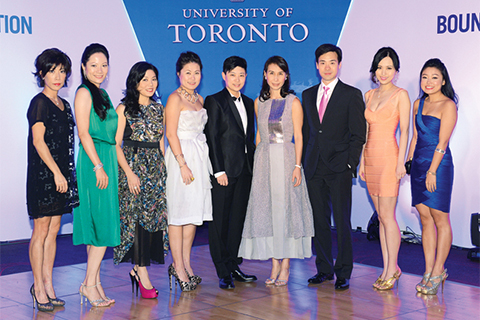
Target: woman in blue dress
435,116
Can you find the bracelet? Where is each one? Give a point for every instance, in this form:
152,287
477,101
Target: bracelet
98,166
178,155
432,173
183,165
440,151
298,166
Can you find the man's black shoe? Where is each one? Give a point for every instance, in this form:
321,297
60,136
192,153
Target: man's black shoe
320,277
238,275
342,284
226,283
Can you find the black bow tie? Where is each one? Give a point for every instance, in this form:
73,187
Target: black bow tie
235,98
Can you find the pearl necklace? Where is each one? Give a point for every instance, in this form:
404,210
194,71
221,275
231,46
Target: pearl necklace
192,98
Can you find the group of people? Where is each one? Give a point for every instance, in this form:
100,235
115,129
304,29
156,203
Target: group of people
265,194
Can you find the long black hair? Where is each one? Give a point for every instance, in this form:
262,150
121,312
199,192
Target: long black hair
447,88
285,90
136,74
100,102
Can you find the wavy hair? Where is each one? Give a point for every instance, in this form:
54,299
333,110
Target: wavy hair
136,74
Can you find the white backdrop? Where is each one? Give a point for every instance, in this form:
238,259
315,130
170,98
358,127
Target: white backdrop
409,26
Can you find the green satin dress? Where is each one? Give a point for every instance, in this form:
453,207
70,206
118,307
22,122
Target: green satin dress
97,220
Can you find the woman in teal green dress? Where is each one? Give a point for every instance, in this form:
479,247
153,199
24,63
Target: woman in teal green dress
96,222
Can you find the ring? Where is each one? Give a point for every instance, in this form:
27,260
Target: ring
135,187
192,178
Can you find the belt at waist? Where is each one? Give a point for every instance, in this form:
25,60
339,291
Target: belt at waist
141,144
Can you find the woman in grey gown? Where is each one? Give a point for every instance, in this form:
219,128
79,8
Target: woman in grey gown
279,222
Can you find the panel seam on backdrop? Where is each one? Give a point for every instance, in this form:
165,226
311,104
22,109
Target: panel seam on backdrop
133,30
345,22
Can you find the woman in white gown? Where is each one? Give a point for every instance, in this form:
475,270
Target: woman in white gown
188,167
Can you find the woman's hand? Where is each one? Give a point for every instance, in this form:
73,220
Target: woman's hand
187,175
361,171
61,183
102,179
296,177
133,183
431,182
401,171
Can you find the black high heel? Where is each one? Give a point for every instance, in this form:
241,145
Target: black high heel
134,281
56,302
40,306
185,286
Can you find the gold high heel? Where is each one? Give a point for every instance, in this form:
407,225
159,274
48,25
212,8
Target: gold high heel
434,288
390,283
377,283
424,281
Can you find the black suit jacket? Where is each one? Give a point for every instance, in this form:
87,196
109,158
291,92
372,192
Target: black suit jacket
338,140
226,138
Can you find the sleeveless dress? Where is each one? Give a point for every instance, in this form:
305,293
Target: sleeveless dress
190,204
43,199
143,217
428,129
381,150
279,219
97,220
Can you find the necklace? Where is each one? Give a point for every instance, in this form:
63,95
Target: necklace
190,97
53,100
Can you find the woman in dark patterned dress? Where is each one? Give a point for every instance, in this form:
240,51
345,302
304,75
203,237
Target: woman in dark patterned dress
143,208
51,180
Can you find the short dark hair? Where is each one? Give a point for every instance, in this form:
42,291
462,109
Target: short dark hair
48,60
447,88
379,56
136,74
188,57
285,90
328,47
100,103
232,62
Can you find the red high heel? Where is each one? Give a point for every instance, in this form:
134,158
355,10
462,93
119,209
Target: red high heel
146,293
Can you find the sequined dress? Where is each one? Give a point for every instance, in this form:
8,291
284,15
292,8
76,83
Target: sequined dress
143,217
279,220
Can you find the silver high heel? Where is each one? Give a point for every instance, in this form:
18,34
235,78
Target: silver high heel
94,303
422,283
434,288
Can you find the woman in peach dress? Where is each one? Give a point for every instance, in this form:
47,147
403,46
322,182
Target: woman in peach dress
382,162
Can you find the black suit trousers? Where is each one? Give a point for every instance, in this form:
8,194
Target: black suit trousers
225,231
330,191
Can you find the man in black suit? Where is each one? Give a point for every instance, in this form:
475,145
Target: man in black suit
334,131
230,137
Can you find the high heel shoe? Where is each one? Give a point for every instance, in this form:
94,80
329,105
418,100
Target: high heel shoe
40,306
94,303
282,282
109,300
145,293
424,281
56,302
390,282
185,286
378,282
434,288
134,281
195,279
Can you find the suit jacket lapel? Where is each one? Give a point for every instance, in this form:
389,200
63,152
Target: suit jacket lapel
312,107
333,100
234,109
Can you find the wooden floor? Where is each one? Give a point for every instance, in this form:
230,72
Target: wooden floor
246,301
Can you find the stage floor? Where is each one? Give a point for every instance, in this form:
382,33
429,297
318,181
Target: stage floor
247,301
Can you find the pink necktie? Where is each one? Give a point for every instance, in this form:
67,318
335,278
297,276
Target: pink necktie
323,103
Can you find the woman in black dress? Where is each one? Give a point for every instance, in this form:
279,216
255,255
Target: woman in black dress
51,180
